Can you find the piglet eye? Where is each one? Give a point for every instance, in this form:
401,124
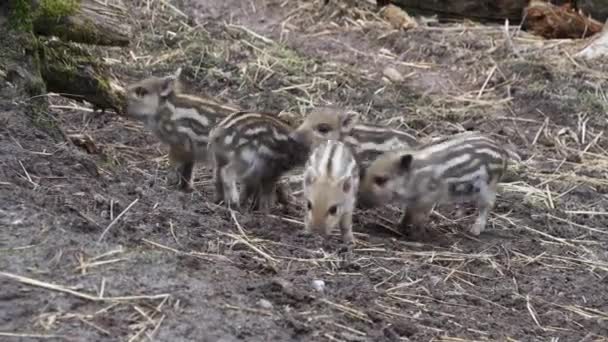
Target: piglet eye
141,91
380,180
308,205
333,210
323,128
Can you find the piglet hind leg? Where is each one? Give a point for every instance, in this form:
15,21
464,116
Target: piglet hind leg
230,190
282,193
485,203
266,197
248,192
185,176
218,165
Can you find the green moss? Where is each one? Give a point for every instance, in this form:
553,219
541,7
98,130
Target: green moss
57,8
23,17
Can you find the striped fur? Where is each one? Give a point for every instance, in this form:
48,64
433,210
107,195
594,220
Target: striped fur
179,120
461,168
331,180
256,150
369,141
366,140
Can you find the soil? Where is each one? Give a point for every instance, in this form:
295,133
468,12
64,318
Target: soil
538,272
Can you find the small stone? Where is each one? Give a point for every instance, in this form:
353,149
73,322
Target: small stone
435,279
99,198
265,304
318,285
392,74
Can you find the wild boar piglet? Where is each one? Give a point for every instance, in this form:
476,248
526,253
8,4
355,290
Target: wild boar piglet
179,120
465,167
255,149
365,139
331,180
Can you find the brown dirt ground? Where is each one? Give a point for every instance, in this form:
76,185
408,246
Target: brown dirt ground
539,272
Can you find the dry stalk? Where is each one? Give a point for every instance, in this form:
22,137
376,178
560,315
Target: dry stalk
243,238
59,288
33,336
116,219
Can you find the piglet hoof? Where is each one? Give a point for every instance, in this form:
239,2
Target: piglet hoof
173,181
348,239
231,205
303,234
245,205
186,187
346,249
476,228
282,195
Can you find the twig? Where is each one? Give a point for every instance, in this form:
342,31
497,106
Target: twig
483,87
532,312
28,175
175,9
59,288
199,255
151,334
508,40
116,219
586,212
253,34
596,230
24,335
245,239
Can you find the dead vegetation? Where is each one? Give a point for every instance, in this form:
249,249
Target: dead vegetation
148,262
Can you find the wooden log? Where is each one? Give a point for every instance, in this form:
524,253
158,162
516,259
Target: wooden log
490,10
597,47
68,69
598,9
74,73
550,21
20,79
482,10
82,21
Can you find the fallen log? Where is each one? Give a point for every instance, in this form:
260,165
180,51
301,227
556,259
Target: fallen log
82,21
490,10
597,47
20,79
598,9
558,22
482,10
74,73
68,69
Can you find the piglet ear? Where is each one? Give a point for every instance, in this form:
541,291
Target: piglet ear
405,162
168,85
348,120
